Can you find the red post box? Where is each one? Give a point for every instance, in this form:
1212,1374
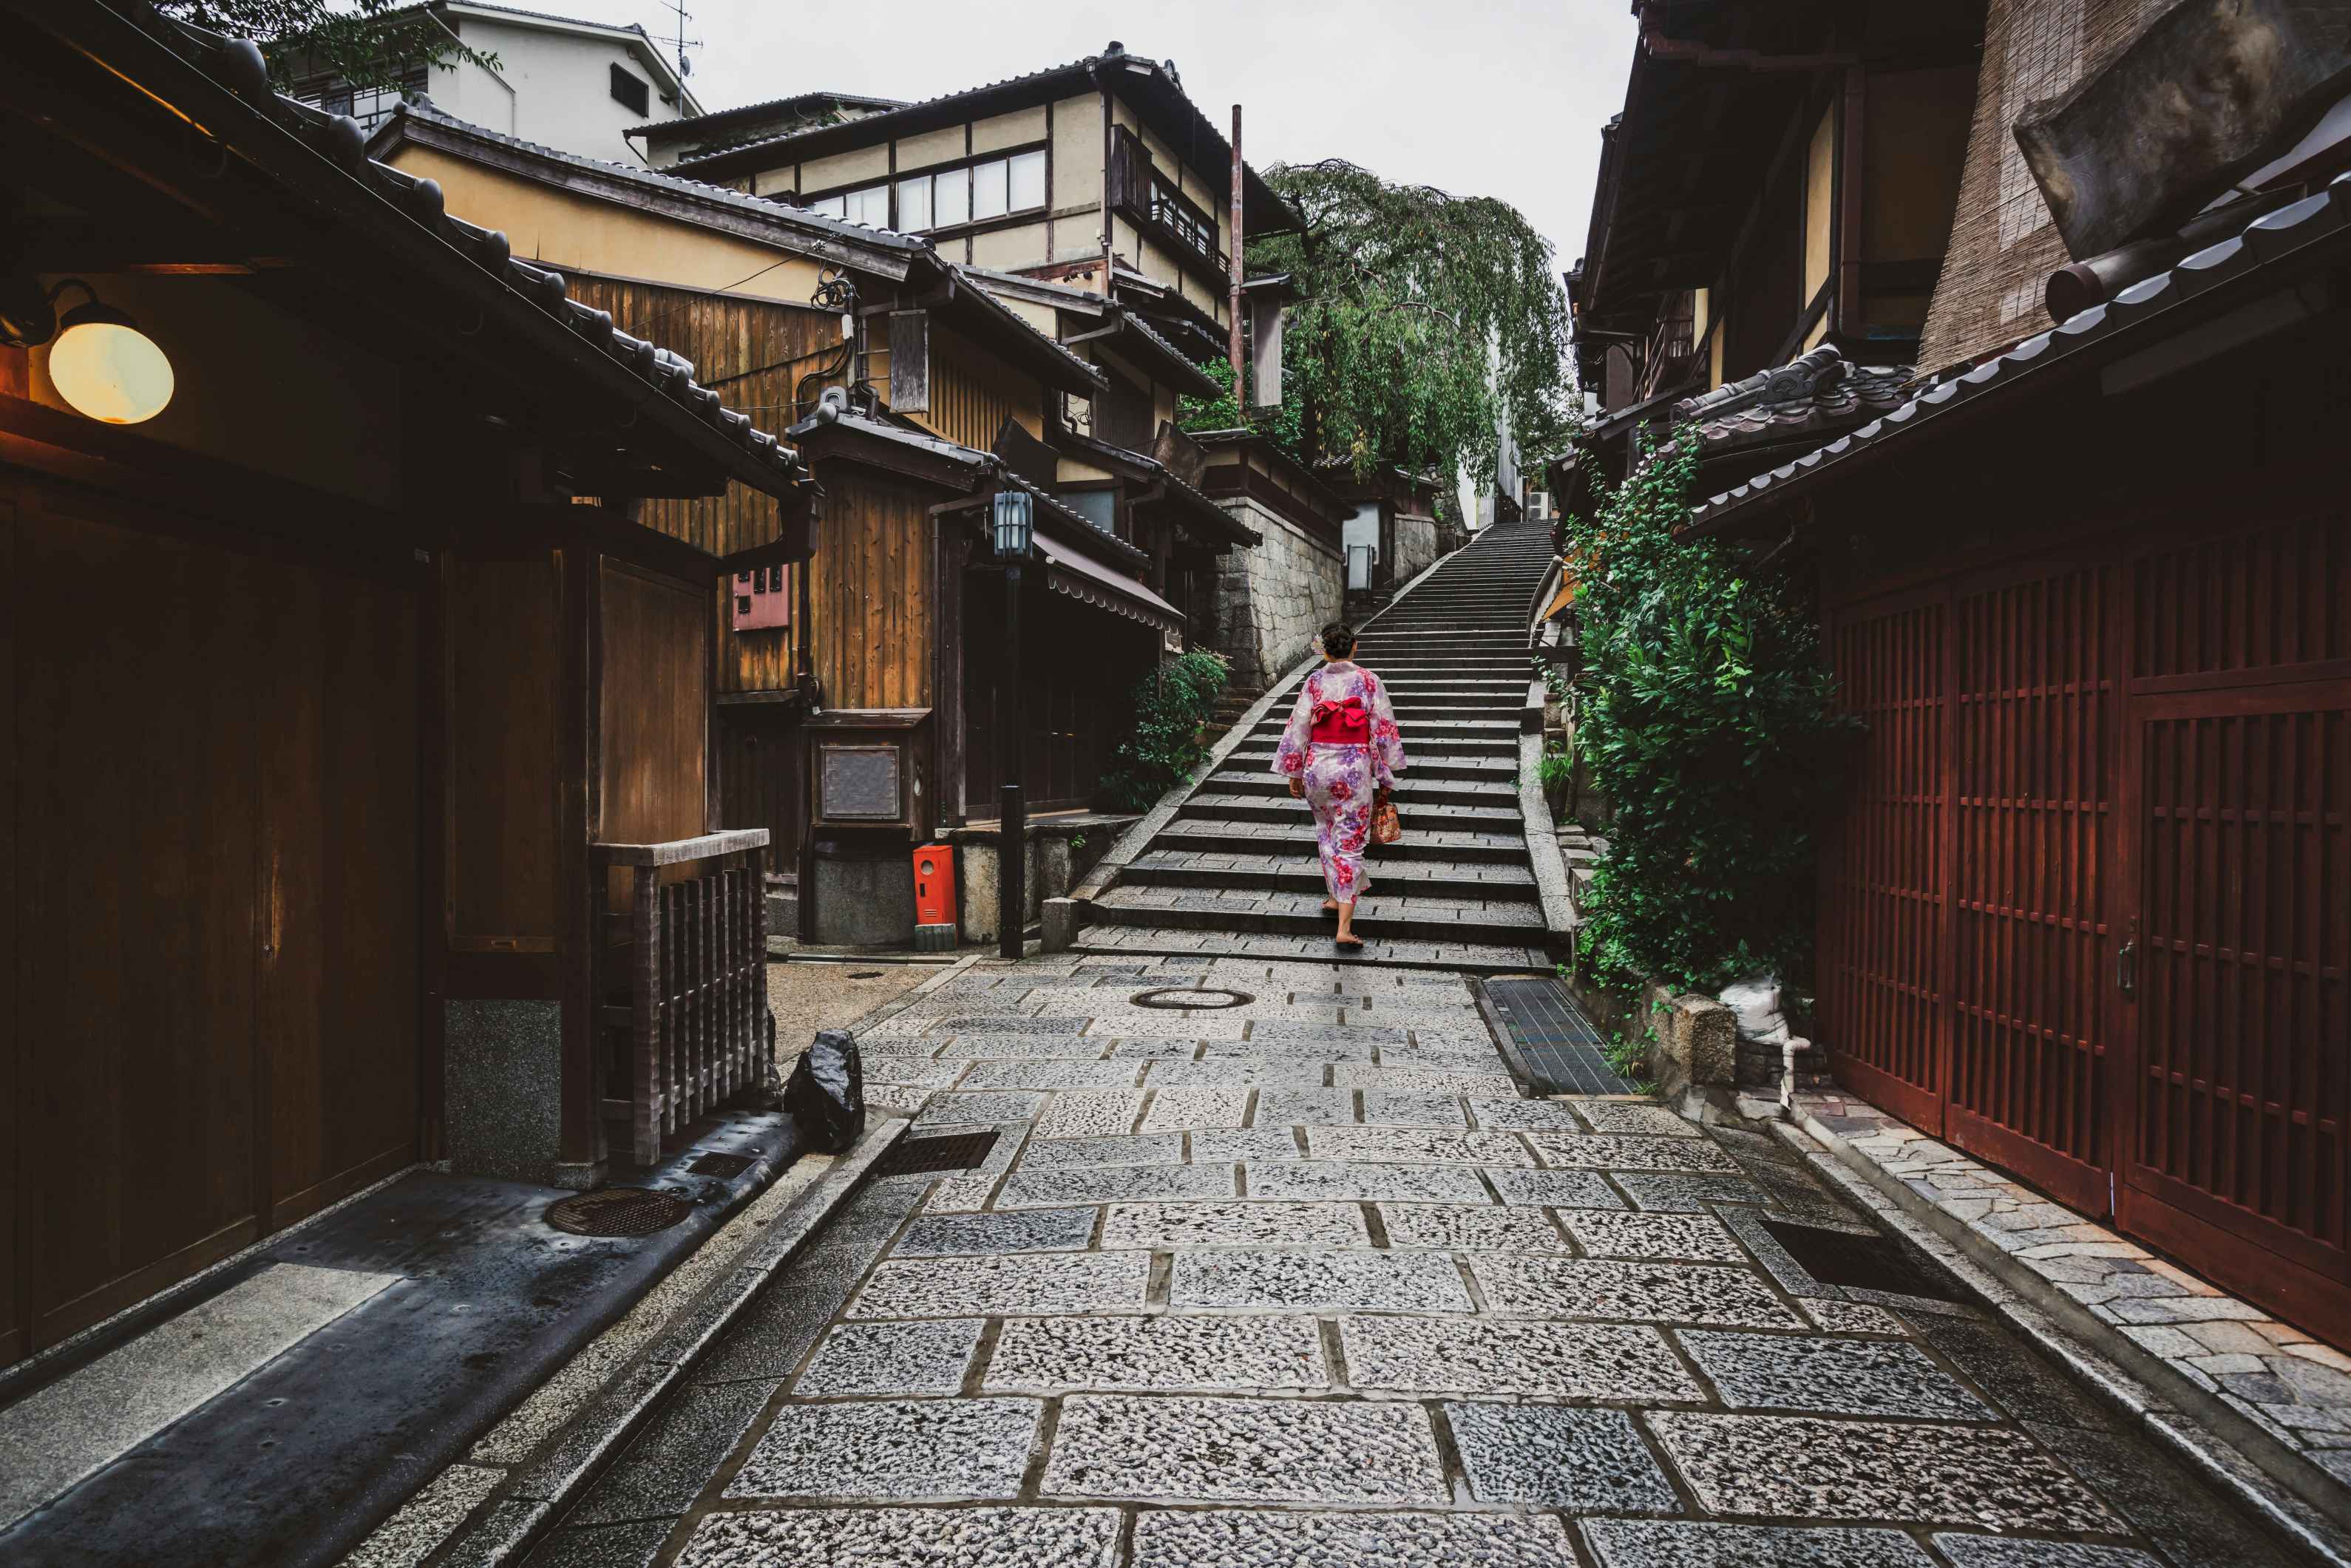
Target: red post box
935,898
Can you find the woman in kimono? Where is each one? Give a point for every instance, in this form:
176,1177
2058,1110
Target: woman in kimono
1341,753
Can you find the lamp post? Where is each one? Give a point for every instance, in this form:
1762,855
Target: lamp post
1014,515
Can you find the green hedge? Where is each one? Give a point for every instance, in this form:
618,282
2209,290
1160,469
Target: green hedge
1708,719
1171,706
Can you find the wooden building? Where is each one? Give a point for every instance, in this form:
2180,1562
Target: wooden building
1780,180
951,385
2083,913
331,719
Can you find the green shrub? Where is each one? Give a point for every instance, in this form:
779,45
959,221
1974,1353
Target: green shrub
1709,722
1171,706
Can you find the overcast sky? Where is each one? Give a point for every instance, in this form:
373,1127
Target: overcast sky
1497,98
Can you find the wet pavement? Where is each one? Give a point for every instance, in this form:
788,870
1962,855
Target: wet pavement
1305,1280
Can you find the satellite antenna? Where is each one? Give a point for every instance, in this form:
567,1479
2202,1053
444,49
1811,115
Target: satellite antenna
679,41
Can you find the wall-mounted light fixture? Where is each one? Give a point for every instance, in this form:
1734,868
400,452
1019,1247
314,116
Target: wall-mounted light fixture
100,362
1014,515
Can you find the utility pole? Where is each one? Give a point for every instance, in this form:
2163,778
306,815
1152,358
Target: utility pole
1240,381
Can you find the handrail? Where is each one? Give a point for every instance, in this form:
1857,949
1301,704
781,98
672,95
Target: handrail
677,851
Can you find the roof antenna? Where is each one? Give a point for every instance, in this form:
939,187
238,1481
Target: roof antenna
679,41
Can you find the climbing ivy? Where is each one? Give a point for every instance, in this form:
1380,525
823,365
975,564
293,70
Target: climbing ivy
1172,707
1709,722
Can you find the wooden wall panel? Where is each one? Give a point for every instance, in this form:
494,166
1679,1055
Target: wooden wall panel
762,760
871,586
136,673
754,353
2033,957
972,393
1882,980
654,717
14,1301
340,962
503,633
2246,604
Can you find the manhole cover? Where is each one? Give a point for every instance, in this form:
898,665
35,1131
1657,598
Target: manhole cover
916,1157
619,1211
721,1165
1862,1263
1184,1000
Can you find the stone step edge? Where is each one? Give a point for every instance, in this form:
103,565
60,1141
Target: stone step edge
2237,1458
1178,950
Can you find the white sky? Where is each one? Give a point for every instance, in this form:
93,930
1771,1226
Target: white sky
1499,97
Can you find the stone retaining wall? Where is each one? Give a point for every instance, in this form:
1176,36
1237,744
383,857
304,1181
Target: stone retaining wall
1415,545
1272,598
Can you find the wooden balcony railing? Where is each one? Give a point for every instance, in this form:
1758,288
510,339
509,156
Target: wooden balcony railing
686,981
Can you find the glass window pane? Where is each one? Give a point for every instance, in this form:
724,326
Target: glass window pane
914,204
988,194
871,206
1028,181
950,199
830,207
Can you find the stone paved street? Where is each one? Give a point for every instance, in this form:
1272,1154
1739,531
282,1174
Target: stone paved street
1304,1281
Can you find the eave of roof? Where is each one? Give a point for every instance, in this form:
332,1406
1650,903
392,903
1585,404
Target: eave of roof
1264,211
1189,503
2133,319
719,119
322,158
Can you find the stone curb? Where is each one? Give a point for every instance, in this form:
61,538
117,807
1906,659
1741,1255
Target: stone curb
2221,1447
1543,845
537,1493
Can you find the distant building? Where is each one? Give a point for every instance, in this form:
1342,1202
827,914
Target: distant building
578,86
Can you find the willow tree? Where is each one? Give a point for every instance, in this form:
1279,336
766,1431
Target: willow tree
1427,321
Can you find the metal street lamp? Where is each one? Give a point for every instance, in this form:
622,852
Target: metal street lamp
1014,515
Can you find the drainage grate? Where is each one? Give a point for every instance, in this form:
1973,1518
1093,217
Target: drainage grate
917,1156
1862,1262
1185,1001
720,1166
1557,1044
619,1211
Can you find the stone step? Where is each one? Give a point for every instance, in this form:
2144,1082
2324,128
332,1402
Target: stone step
1213,835
1412,790
1420,743
1238,806
1424,764
1505,730
1476,880
1406,916
1173,942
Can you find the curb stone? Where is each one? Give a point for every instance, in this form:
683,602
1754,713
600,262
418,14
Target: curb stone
537,1492
2216,1456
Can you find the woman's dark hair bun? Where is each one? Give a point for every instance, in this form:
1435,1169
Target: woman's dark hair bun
1338,640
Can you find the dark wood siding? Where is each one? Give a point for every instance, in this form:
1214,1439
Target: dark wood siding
503,621
215,974
871,585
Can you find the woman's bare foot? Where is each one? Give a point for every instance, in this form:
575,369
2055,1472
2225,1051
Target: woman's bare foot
1346,935
1329,906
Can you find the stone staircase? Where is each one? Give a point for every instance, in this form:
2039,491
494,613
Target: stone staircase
1235,872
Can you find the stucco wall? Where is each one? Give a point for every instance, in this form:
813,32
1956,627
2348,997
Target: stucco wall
1272,598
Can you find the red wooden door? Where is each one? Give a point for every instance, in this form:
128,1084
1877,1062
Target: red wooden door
1881,992
2237,1089
2032,768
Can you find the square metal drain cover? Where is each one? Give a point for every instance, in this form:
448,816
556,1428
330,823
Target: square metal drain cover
1557,1044
720,1166
916,1157
1862,1262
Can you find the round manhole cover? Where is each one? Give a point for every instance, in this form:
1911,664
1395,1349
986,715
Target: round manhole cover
619,1211
1183,1001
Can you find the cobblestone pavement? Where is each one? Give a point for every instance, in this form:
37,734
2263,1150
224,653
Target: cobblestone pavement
1304,1281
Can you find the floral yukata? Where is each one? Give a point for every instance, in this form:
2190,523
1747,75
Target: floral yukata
1341,742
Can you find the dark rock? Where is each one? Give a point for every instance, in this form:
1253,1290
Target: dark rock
827,1094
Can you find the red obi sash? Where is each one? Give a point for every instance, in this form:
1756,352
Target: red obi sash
1340,724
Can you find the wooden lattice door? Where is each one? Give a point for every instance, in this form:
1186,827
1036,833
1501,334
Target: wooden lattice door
2236,985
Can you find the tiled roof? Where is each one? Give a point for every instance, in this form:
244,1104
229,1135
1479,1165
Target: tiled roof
2266,240
787,220
1819,393
752,111
238,66
1198,501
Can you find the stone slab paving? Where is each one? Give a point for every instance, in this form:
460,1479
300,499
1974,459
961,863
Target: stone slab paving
1274,1292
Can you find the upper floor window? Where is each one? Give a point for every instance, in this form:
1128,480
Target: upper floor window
370,106
628,90
869,205
994,189
1171,208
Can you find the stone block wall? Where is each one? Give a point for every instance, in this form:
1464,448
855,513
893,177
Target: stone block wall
1273,597
1416,546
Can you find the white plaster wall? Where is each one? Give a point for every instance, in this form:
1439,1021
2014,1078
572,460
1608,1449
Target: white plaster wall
1273,597
554,88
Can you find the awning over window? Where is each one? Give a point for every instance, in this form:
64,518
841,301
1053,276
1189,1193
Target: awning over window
1067,571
